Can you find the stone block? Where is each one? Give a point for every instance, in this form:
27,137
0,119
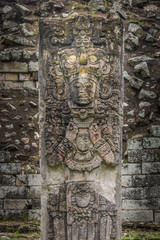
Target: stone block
135,204
35,192
16,192
29,84
1,204
137,216
24,77
132,193
151,168
135,60
4,156
146,180
13,85
155,130
10,168
21,180
13,215
17,204
126,181
34,214
7,180
34,180
131,42
137,156
152,192
13,67
136,30
33,66
8,77
135,144
131,168
151,142
142,70
144,94
157,216
36,203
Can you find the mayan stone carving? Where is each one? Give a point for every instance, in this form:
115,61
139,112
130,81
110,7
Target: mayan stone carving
80,78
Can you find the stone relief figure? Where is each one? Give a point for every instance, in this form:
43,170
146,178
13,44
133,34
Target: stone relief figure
80,79
86,214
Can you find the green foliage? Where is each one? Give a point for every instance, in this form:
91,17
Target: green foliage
140,233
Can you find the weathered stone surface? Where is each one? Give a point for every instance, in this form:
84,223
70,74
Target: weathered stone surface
35,192
131,42
155,130
133,193
135,204
33,66
135,144
12,40
126,181
142,70
142,113
7,180
152,192
146,94
137,216
34,214
17,204
149,168
10,168
24,77
151,142
4,156
134,82
13,215
13,192
136,156
144,104
26,29
150,38
10,26
27,55
136,30
157,216
135,60
13,67
146,180
83,101
131,168
24,11
30,179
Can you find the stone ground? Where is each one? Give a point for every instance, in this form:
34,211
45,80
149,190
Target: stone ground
31,230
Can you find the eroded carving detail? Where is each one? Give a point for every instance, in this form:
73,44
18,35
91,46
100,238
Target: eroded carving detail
85,215
82,92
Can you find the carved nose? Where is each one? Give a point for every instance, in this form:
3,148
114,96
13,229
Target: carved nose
83,59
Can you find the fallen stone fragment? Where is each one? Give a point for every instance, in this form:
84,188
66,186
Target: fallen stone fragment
25,140
33,104
12,40
131,42
10,106
25,28
155,130
10,126
24,11
142,70
147,94
144,104
10,26
133,81
7,9
139,59
142,113
150,38
136,30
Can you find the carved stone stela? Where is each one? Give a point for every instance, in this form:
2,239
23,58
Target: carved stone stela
81,78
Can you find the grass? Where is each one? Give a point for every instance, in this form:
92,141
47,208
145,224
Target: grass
140,233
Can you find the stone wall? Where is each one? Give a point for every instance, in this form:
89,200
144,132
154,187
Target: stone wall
19,122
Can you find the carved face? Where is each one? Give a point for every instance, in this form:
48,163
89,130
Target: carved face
83,199
82,90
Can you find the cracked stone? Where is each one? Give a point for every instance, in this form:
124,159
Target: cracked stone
24,11
131,42
142,70
139,59
11,40
136,30
146,94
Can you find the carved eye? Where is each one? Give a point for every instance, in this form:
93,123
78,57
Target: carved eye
71,59
93,58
